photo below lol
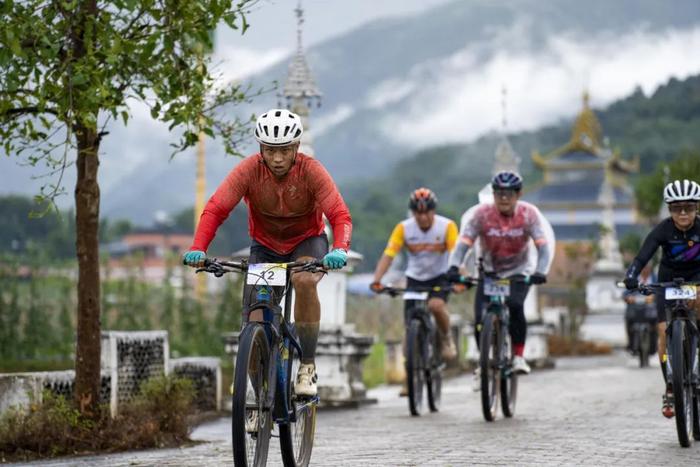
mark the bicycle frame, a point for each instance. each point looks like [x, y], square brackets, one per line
[280, 337]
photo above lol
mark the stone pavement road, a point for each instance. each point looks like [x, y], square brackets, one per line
[588, 411]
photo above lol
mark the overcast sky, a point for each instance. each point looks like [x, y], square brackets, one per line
[273, 25]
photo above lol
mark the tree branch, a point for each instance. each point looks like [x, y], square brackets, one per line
[19, 111]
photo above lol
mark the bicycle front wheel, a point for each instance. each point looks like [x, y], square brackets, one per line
[297, 435]
[489, 362]
[415, 366]
[682, 390]
[251, 418]
[509, 380]
[434, 378]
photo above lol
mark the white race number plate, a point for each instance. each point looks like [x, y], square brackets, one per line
[266, 274]
[415, 295]
[497, 288]
[685, 292]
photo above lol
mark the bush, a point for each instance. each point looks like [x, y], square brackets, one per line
[158, 417]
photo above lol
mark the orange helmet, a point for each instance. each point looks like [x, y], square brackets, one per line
[422, 199]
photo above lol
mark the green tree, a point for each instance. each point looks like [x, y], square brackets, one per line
[69, 67]
[649, 189]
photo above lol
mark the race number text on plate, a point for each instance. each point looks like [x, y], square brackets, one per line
[684, 292]
[266, 274]
[497, 288]
[410, 295]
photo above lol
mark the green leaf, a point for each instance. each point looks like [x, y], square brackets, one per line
[125, 116]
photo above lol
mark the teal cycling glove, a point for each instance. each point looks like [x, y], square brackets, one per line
[336, 259]
[194, 258]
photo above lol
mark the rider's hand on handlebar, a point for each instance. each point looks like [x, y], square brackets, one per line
[376, 287]
[453, 274]
[538, 278]
[194, 258]
[631, 283]
[336, 259]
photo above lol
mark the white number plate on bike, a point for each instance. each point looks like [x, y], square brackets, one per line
[497, 288]
[684, 292]
[266, 274]
[415, 295]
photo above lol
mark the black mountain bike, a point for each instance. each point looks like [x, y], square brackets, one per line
[682, 350]
[267, 361]
[496, 359]
[423, 360]
[642, 342]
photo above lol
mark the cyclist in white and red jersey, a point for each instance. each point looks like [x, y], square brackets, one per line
[504, 230]
[287, 194]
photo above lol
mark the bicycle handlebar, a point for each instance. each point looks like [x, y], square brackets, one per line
[219, 267]
[648, 289]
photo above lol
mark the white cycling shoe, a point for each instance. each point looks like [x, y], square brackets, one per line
[520, 366]
[305, 384]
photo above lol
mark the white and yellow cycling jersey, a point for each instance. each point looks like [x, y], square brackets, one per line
[428, 250]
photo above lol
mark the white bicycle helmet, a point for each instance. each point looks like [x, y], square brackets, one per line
[278, 127]
[682, 190]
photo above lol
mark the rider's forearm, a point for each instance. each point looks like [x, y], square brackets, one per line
[210, 220]
[458, 254]
[544, 255]
[382, 267]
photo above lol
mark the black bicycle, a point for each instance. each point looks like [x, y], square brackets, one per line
[642, 329]
[642, 339]
[498, 378]
[423, 360]
[268, 357]
[682, 350]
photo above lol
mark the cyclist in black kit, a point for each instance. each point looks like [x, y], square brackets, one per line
[679, 239]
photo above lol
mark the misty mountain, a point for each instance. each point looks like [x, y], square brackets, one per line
[398, 86]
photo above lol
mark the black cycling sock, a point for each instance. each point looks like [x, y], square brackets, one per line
[663, 371]
[308, 338]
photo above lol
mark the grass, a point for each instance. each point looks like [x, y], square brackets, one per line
[159, 417]
[373, 368]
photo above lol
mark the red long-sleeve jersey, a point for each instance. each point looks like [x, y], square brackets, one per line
[281, 212]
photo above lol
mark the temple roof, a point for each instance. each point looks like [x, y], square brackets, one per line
[586, 192]
[586, 149]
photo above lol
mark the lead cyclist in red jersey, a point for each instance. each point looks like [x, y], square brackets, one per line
[287, 194]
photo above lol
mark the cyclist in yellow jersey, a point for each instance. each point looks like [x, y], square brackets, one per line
[428, 238]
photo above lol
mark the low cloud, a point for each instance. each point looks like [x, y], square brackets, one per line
[463, 100]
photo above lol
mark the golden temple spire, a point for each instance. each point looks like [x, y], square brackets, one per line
[587, 134]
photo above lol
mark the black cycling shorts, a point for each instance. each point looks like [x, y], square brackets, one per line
[439, 281]
[315, 247]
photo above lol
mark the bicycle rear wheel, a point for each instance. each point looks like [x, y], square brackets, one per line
[682, 392]
[251, 419]
[489, 360]
[509, 381]
[434, 378]
[415, 367]
[297, 436]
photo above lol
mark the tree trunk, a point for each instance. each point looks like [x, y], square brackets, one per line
[87, 217]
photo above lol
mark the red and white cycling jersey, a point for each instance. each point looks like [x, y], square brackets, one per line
[504, 240]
